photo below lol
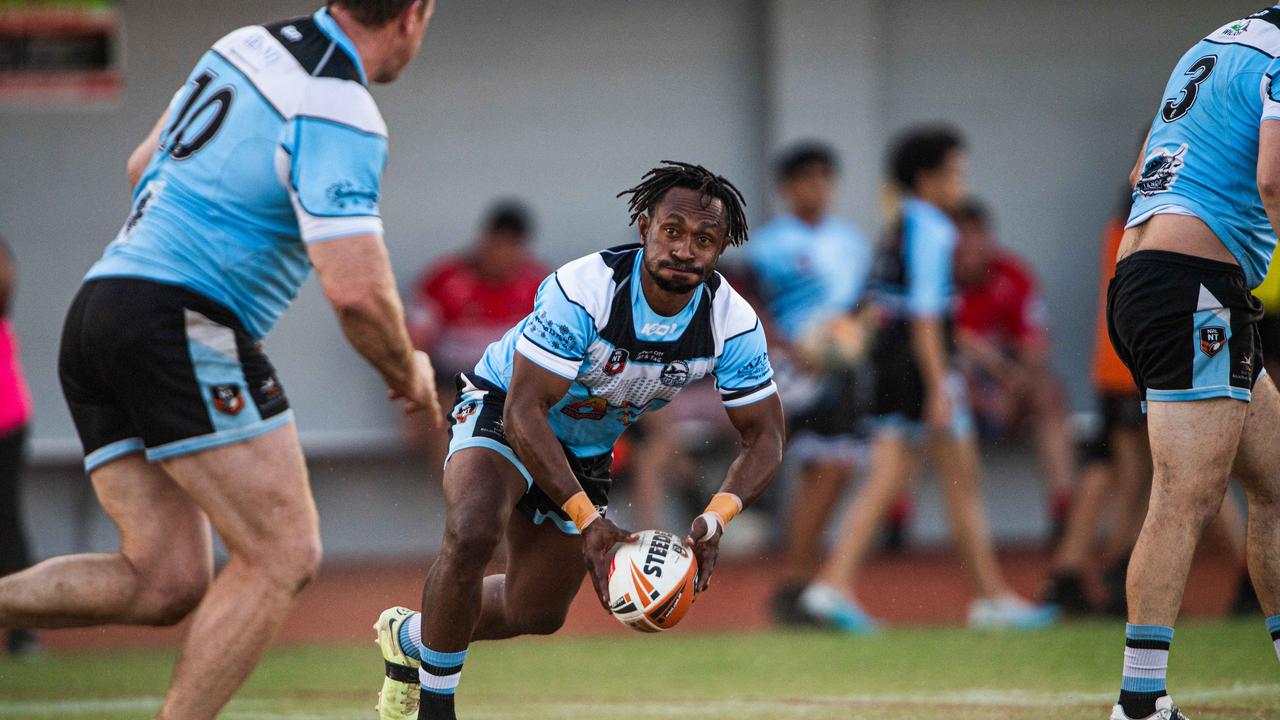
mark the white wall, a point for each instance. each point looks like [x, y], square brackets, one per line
[566, 102]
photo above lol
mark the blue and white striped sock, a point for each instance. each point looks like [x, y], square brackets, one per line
[411, 636]
[1273, 627]
[440, 671]
[1146, 663]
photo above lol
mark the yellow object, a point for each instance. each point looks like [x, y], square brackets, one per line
[1269, 291]
[581, 510]
[398, 699]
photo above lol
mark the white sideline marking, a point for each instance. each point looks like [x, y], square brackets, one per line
[256, 709]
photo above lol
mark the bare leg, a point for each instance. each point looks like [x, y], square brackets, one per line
[892, 462]
[161, 571]
[1193, 445]
[480, 488]
[544, 572]
[1132, 460]
[956, 460]
[1096, 484]
[1055, 442]
[821, 487]
[1258, 468]
[257, 495]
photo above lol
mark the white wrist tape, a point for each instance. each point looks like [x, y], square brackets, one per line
[713, 525]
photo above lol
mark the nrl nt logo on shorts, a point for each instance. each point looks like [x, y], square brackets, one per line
[1212, 339]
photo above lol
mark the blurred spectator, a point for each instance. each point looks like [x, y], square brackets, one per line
[15, 415]
[1004, 345]
[920, 401]
[461, 304]
[810, 270]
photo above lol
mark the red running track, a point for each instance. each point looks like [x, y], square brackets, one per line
[917, 588]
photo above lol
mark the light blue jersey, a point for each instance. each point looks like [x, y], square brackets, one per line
[273, 141]
[913, 267]
[591, 324]
[808, 274]
[1202, 157]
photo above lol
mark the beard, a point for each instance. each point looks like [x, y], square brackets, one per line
[678, 287]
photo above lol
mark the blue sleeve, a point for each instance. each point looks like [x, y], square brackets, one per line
[1271, 92]
[558, 331]
[335, 178]
[743, 373]
[846, 273]
[930, 244]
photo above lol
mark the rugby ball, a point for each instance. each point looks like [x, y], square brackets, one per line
[651, 582]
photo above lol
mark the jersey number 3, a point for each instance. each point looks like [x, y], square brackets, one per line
[185, 137]
[1175, 108]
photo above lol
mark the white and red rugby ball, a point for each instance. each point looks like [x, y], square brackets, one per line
[651, 581]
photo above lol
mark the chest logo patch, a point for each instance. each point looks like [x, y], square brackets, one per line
[617, 362]
[675, 374]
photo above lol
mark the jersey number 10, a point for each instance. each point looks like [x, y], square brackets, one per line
[182, 139]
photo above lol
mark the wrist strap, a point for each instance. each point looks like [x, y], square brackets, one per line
[722, 508]
[581, 510]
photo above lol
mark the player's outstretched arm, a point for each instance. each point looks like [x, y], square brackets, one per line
[1269, 170]
[141, 155]
[760, 433]
[532, 394]
[355, 274]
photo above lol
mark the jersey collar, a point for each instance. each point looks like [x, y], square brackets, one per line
[330, 27]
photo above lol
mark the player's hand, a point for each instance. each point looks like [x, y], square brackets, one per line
[420, 395]
[597, 540]
[705, 551]
[937, 411]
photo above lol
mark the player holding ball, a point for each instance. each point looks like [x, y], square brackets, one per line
[612, 335]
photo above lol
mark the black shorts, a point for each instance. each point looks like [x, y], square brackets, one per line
[155, 367]
[899, 388]
[1186, 327]
[1269, 333]
[1119, 412]
[476, 421]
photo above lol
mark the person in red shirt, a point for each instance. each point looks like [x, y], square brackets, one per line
[15, 417]
[462, 303]
[1002, 335]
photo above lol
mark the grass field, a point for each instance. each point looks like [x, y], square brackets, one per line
[1219, 671]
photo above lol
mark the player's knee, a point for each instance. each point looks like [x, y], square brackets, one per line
[167, 597]
[471, 544]
[291, 561]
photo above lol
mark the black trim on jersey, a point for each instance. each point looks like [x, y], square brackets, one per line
[556, 277]
[251, 83]
[1271, 15]
[697, 340]
[744, 332]
[315, 50]
[1239, 44]
[727, 395]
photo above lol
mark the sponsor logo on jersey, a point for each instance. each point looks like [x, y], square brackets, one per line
[291, 33]
[617, 361]
[590, 409]
[755, 369]
[345, 194]
[1212, 340]
[658, 329]
[650, 356]
[1236, 29]
[675, 374]
[227, 399]
[1160, 171]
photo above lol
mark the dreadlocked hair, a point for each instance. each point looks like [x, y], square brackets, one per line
[671, 174]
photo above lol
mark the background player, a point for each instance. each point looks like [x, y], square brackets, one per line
[612, 336]
[1200, 235]
[268, 161]
[811, 270]
[919, 396]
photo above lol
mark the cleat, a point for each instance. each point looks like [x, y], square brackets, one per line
[1164, 711]
[836, 610]
[400, 691]
[1010, 612]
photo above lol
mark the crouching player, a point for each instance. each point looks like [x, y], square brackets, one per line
[612, 336]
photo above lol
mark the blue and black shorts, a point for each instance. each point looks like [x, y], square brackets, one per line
[1186, 327]
[476, 422]
[156, 368]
